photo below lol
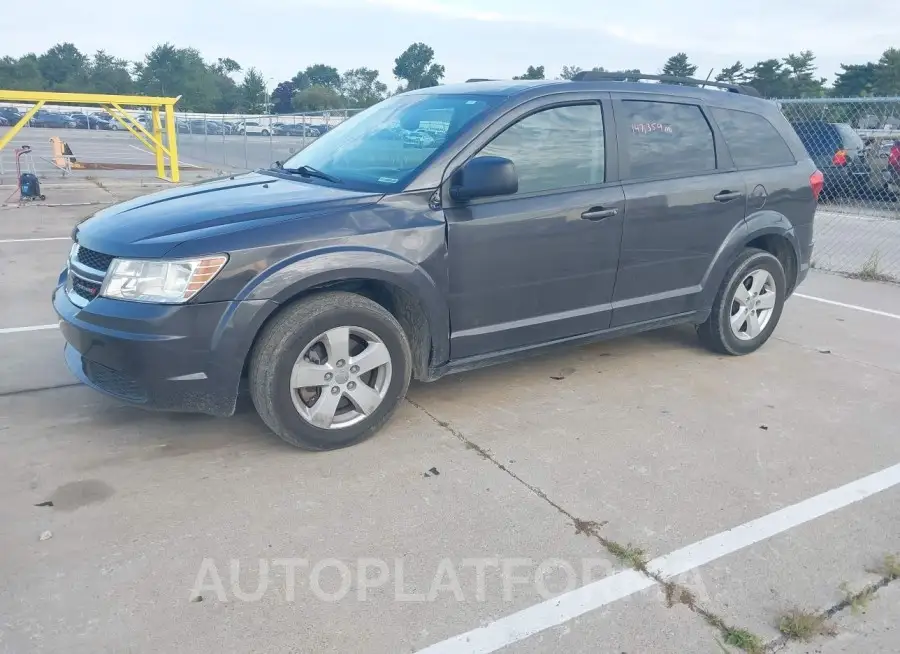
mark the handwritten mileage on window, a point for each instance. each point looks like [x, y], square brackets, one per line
[647, 128]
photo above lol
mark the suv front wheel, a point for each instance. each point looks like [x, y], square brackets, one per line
[748, 305]
[329, 370]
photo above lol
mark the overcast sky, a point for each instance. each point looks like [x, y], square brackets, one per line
[472, 38]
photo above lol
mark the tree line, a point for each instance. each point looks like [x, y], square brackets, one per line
[224, 86]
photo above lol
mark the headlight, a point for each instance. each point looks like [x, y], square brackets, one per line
[166, 282]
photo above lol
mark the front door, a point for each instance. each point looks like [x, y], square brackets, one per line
[682, 199]
[541, 264]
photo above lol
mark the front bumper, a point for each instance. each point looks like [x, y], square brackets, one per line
[172, 357]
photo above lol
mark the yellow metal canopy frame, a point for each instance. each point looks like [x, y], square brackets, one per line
[113, 104]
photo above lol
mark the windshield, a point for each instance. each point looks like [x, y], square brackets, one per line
[383, 147]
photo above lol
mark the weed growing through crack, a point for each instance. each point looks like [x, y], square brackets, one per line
[630, 554]
[804, 625]
[889, 568]
[871, 270]
[745, 640]
[858, 602]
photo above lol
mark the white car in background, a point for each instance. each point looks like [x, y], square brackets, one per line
[251, 128]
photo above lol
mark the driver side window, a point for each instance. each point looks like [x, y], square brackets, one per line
[554, 149]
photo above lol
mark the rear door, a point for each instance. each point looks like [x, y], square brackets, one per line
[539, 265]
[683, 197]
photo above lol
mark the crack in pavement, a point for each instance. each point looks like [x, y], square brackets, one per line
[631, 556]
[843, 357]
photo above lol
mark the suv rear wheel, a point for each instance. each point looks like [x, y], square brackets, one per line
[748, 305]
[329, 371]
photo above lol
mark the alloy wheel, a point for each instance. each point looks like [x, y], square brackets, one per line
[341, 377]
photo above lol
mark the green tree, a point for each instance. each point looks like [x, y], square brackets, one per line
[253, 92]
[317, 98]
[569, 72]
[417, 67]
[282, 96]
[770, 78]
[733, 74]
[64, 68]
[301, 81]
[167, 70]
[226, 66]
[679, 66]
[110, 75]
[23, 74]
[361, 87]
[887, 73]
[532, 73]
[800, 70]
[855, 80]
[322, 75]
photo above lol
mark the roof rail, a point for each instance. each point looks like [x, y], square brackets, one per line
[480, 79]
[594, 76]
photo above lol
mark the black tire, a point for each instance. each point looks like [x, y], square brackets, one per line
[716, 333]
[265, 132]
[282, 341]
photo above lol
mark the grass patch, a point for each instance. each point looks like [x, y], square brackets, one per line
[871, 270]
[888, 568]
[745, 640]
[803, 625]
[630, 554]
[676, 594]
[858, 602]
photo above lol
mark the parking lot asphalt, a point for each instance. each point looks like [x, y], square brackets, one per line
[501, 510]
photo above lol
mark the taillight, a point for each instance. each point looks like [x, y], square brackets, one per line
[839, 158]
[816, 182]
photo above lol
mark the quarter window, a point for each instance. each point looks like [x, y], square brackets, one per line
[752, 140]
[666, 139]
[554, 149]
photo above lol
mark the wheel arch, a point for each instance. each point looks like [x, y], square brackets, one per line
[766, 230]
[399, 286]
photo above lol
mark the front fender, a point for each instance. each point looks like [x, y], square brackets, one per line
[322, 266]
[760, 223]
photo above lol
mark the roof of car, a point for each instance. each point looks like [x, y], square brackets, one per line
[509, 88]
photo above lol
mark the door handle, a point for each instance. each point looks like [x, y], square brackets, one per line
[727, 196]
[599, 213]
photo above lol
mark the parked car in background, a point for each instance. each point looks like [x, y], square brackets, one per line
[11, 114]
[51, 119]
[891, 172]
[842, 156]
[295, 130]
[253, 128]
[84, 121]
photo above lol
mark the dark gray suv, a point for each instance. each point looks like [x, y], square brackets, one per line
[538, 213]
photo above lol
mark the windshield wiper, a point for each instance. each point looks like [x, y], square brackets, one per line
[309, 171]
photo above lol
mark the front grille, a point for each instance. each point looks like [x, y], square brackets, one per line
[113, 382]
[94, 260]
[84, 288]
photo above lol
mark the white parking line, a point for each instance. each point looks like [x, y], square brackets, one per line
[561, 609]
[32, 328]
[848, 306]
[26, 240]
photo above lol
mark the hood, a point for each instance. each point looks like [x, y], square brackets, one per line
[151, 225]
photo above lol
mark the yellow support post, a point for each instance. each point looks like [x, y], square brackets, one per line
[6, 138]
[172, 142]
[157, 141]
[113, 103]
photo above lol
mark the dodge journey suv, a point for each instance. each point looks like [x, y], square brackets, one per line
[541, 213]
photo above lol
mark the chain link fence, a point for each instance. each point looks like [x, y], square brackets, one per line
[247, 142]
[855, 142]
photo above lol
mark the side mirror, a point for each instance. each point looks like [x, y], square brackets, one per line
[484, 177]
[277, 165]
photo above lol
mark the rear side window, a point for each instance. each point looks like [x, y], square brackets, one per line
[555, 149]
[849, 138]
[819, 139]
[752, 140]
[665, 139]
